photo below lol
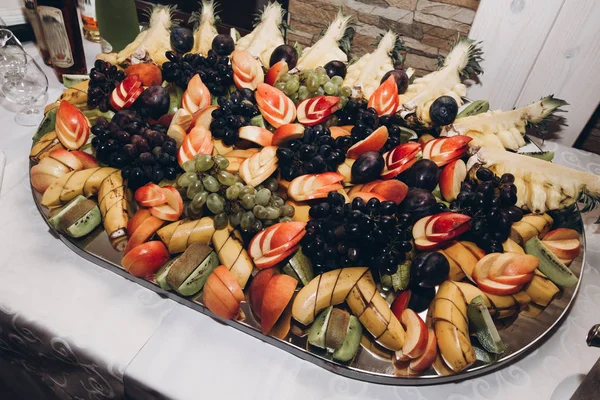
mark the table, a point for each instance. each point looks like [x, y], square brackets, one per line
[70, 329]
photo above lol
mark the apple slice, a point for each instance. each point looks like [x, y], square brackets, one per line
[374, 142]
[416, 334]
[286, 133]
[87, 160]
[198, 141]
[196, 96]
[230, 282]
[150, 195]
[392, 190]
[366, 196]
[394, 172]
[483, 266]
[500, 289]
[46, 172]
[385, 98]
[313, 186]
[218, 297]
[247, 70]
[521, 264]
[144, 260]
[454, 142]
[276, 71]
[451, 178]
[445, 158]
[401, 154]
[564, 248]
[143, 232]
[418, 229]
[171, 211]
[72, 127]
[317, 109]
[276, 239]
[426, 359]
[400, 303]
[278, 293]
[256, 290]
[338, 131]
[138, 218]
[561, 234]
[268, 262]
[513, 279]
[274, 105]
[67, 158]
[203, 117]
[256, 134]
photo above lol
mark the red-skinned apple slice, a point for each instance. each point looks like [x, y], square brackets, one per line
[426, 359]
[418, 231]
[274, 105]
[428, 146]
[306, 187]
[87, 160]
[255, 134]
[483, 266]
[72, 127]
[268, 262]
[287, 132]
[196, 96]
[278, 293]
[445, 158]
[416, 334]
[143, 232]
[227, 278]
[126, 92]
[276, 239]
[150, 195]
[366, 196]
[394, 172]
[451, 177]
[138, 218]
[562, 234]
[453, 143]
[401, 154]
[400, 303]
[448, 221]
[218, 298]
[46, 172]
[144, 260]
[338, 131]
[67, 158]
[374, 142]
[385, 98]
[247, 71]
[275, 72]
[392, 190]
[401, 357]
[317, 109]
[567, 249]
[513, 279]
[198, 141]
[171, 211]
[203, 117]
[521, 264]
[256, 290]
[500, 289]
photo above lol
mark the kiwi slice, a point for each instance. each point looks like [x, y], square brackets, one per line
[195, 282]
[299, 267]
[57, 214]
[84, 225]
[351, 341]
[550, 265]
[482, 324]
[318, 330]
[161, 275]
[187, 263]
[336, 329]
[78, 218]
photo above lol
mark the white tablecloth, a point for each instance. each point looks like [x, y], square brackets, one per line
[70, 329]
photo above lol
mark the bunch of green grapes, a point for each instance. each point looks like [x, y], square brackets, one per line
[208, 187]
[312, 82]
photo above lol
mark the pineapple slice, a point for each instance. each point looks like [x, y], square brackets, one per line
[151, 44]
[460, 63]
[541, 185]
[266, 36]
[327, 47]
[364, 76]
[206, 31]
[503, 129]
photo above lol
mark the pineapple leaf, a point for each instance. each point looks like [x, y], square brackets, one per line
[396, 53]
[568, 217]
[195, 16]
[346, 40]
[589, 199]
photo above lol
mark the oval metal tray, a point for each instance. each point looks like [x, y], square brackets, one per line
[523, 335]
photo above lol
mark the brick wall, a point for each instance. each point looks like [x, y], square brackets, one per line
[426, 26]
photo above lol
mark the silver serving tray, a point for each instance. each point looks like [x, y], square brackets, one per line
[522, 336]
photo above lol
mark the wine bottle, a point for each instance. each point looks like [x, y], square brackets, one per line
[34, 20]
[60, 24]
[87, 8]
[118, 23]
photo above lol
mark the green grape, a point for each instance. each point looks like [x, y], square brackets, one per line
[273, 213]
[280, 85]
[337, 80]
[188, 166]
[295, 78]
[260, 212]
[302, 93]
[215, 203]
[287, 210]
[323, 79]
[204, 163]
[221, 161]
[320, 91]
[263, 196]
[272, 184]
[277, 201]
[234, 207]
[234, 219]
[194, 188]
[286, 219]
[292, 87]
[248, 190]
[248, 201]
[305, 73]
[232, 192]
[330, 88]
[186, 179]
[257, 226]
[346, 91]
[240, 184]
[199, 200]
[225, 178]
[221, 221]
[211, 184]
[247, 220]
[294, 97]
[320, 71]
[284, 78]
[343, 101]
[193, 213]
[312, 82]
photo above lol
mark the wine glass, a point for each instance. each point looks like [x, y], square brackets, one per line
[12, 55]
[25, 85]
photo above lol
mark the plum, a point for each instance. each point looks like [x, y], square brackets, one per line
[424, 174]
[429, 269]
[367, 167]
[443, 110]
[223, 44]
[400, 77]
[335, 68]
[182, 40]
[286, 53]
[420, 298]
[418, 203]
[153, 102]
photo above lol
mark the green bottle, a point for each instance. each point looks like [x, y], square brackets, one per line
[118, 24]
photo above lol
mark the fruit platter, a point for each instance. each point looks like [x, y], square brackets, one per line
[374, 223]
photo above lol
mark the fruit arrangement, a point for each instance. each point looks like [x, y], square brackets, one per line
[354, 205]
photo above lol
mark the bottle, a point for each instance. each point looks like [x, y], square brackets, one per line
[60, 24]
[118, 23]
[87, 9]
[34, 20]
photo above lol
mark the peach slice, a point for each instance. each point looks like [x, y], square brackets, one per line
[338, 131]
[567, 249]
[276, 71]
[256, 134]
[72, 127]
[203, 117]
[144, 260]
[67, 158]
[451, 178]
[256, 290]
[138, 218]
[150, 195]
[87, 160]
[149, 74]
[426, 359]
[286, 133]
[374, 142]
[416, 334]
[317, 109]
[278, 293]
[143, 232]
[274, 105]
[385, 98]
